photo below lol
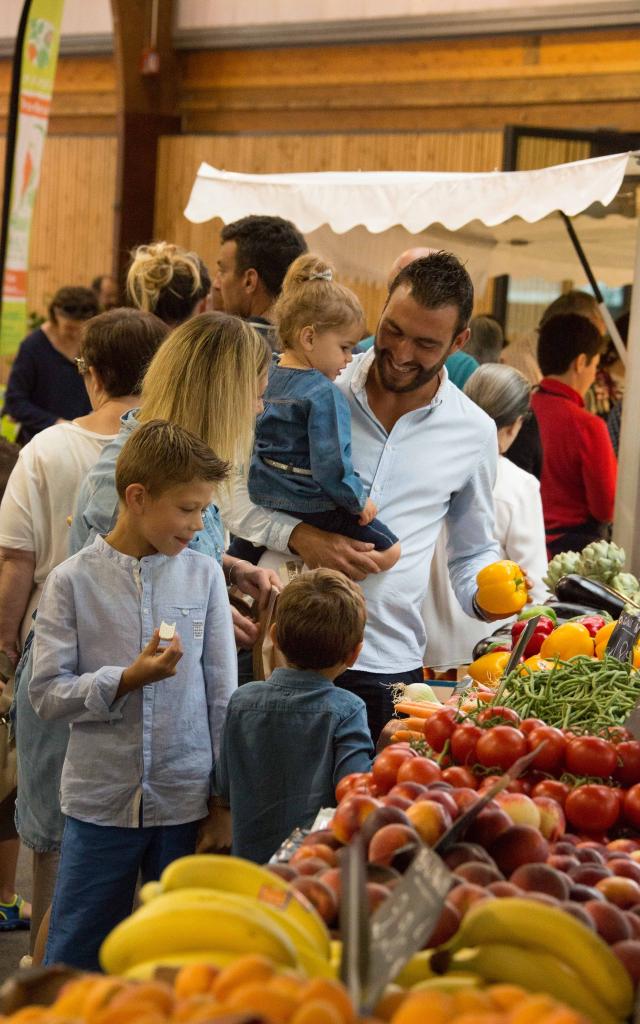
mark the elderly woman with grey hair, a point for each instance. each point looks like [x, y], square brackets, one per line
[504, 394]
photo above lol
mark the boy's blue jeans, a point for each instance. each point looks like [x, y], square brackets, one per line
[97, 878]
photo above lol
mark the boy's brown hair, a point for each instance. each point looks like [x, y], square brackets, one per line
[160, 455]
[320, 619]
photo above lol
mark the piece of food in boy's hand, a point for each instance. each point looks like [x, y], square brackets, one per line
[167, 630]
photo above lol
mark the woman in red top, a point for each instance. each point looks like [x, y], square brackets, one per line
[579, 469]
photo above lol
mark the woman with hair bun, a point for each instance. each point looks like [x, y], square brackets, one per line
[505, 395]
[302, 455]
[169, 281]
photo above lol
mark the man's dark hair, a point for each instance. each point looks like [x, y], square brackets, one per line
[439, 280]
[563, 338]
[269, 245]
[75, 302]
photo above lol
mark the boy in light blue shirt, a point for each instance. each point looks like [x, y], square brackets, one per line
[145, 719]
[289, 740]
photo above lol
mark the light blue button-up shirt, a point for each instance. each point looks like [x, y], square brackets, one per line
[439, 461]
[146, 758]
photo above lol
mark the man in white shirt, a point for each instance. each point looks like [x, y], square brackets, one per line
[424, 452]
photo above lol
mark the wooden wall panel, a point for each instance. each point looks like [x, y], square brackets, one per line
[84, 99]
[72, 230]
[180, 156]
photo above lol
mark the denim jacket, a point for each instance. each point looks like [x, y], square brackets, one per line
[306, 424]
[97, 505]
[285, 745]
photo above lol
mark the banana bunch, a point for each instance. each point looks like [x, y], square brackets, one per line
[217, 908]
[541, 949]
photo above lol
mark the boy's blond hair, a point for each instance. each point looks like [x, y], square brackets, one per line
[204, 377]
[311, 298]
[160, 455]
[320, 619]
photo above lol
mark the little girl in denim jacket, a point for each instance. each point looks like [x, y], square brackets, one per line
[302, 455]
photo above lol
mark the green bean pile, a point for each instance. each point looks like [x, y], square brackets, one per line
[579, 694]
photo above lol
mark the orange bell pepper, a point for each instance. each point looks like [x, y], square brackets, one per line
[502, 589]
[601, 640]
[489, 667]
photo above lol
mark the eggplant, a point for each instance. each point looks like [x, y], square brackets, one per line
[596, 596]
[501, 636]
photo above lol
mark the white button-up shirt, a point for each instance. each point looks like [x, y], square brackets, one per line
[438, 461]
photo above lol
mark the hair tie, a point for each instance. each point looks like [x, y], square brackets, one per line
[321, 275]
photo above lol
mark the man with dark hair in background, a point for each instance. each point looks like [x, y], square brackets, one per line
[105, 289]
[579, 467]
[255, 255]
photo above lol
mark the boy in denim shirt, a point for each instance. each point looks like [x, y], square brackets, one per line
[289, 740]
[302, 456]
[138, 772]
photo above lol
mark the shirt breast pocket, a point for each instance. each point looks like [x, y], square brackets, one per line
[188, 619]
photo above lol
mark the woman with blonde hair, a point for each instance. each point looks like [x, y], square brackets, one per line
[167, 280]
[208, 377]
[505, 395]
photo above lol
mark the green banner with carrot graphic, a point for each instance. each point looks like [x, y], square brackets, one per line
[33, 80]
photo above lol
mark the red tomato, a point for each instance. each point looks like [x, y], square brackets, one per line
[463, 742]
[558, 791]
[592, 808]
[551, 757]
[356, 780]
[386, 765]
[508, 714]
[590, 755]
[439, 728]
[628, 770]
[631, 807]
[419, 769]
[501, 746]
[527, 724]
[460, 778]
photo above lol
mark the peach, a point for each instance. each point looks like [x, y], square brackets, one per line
[332, 878]
[283, 870]
[320, 850]
[561, 862]
[460, 853]
[624, 892]
[429, 819]
[379, 818]
[588, 874]
[442, 797]
[489, 824]
[541, 878]
[350, 815]
[446, 927]
[388, 841]
[479, 873]
[464, 797]
[624, 845]
[376, 894]
[520, 844]
[577, 910]
[583, 893]
[311, 866]
[319, 895]
[402, 802]
[521, 809]
[465, 895]
[628, 953]
[410, 790]
[502, 889]
[626, 868]
[611, 922]
[552, 819]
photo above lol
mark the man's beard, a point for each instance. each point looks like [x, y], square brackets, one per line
[414, 383]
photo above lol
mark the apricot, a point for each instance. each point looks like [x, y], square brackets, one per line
[419, 1007]
[194, 979]
[330, 991]
[317, 1011]
[391, 999]
[256, 997]
[250, 968]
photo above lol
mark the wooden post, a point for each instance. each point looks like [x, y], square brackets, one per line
[147, 108]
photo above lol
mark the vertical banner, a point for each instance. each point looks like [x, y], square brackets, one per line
[34, 71]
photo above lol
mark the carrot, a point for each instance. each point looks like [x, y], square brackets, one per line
[424, 709]
[406, 735]
[413, 724]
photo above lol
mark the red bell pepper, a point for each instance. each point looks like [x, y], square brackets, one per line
[592, 622]
[544, 627]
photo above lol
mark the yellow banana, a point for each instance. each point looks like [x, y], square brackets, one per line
[417, 969]
[147, 969]
[535, 971]
[149, 891]
[146, 936]
[450, 983]
[231, 874]
[204, 897]
[537, 926]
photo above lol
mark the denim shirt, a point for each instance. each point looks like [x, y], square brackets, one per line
[286, 743]
[97, 505]
[305, 424]
[145, 758]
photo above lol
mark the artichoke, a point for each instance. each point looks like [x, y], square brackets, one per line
[602, 561]
[626, 584]
[561, 565]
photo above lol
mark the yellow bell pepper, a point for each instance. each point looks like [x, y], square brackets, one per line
[567, 641]
[502, 589]
[489, 667]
